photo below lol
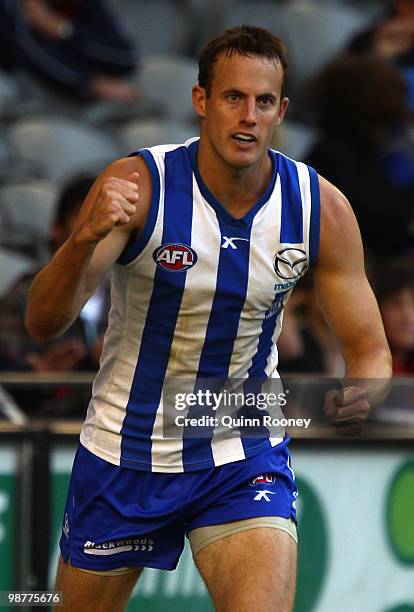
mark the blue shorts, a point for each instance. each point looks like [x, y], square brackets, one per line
[121, 517]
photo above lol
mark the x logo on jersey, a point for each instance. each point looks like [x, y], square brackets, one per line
[263, 495]
[228, 242]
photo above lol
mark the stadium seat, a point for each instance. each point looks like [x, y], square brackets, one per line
[315, 32]
[4, 153]
[60, 147]
[12, 267]
[8, 90]
[28, 208]
[260, 13]
[296, 139]
[168, 80]
[13, 170]
[156, 26]
[138, 134]
[108, 115]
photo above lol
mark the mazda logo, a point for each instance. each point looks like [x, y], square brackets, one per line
[291, 264]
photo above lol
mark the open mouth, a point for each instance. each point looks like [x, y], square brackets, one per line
[244, 138]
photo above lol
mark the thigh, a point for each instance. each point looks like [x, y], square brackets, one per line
[83, 591]
[250, 570]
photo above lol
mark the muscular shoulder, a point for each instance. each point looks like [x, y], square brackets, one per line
[335, 208]
[121, 168]
[124, 167]
[339, 229]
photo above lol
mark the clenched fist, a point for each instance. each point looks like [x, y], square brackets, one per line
[348, 409]
[114, 205]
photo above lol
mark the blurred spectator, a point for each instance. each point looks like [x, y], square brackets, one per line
[365, 150]
[306, 343]
[391, 37]
[396, 299]
[392, 40]
[77, 46]
[79, 348]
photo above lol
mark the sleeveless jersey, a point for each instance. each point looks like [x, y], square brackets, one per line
[198, 295]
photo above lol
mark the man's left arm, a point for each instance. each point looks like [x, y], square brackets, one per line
[352, 312]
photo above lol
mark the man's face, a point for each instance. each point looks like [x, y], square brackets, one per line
[244, 106]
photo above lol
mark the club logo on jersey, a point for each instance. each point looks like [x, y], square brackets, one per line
[266, 479]
[291, 263]
[175, 257]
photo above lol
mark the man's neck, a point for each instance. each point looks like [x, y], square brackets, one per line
[237, 189]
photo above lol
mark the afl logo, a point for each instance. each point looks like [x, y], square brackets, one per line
[291, 264]
[175, 257]
[266, 479]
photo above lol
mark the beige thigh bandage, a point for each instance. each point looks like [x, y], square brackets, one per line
[119, 571]
[200, 537]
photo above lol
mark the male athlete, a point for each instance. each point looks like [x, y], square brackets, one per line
[206, 240]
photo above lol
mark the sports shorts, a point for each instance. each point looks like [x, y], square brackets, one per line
[119, 517]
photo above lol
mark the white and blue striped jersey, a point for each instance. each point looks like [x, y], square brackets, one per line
[197, 295]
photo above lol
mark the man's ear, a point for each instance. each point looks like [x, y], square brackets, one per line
[283, 106]
[199, 100]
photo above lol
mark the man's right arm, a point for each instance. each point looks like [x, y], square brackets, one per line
[109, 214]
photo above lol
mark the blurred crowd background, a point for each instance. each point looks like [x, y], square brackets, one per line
[83, 82]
